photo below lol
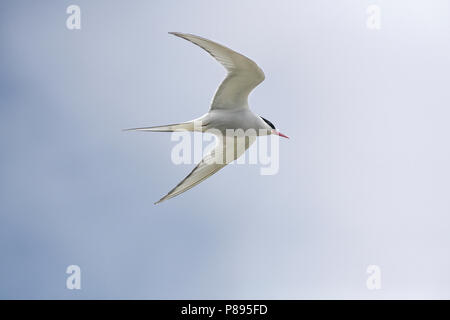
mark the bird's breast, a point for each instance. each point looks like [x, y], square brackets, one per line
[226, 122]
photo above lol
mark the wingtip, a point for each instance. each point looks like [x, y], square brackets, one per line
[166, 197]
[181, 34]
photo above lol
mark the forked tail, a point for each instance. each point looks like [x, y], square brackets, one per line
[185, 126]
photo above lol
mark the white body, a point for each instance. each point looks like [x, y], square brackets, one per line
[233, 119]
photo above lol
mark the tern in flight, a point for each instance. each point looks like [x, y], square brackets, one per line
[229, 110]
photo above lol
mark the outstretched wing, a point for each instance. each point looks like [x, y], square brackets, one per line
[243, 74]
[226, 150]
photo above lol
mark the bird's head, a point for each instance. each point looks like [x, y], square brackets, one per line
[273, 130]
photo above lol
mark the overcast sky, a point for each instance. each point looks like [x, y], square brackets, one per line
[364, 179]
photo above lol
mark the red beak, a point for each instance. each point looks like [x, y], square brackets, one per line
[279, 134]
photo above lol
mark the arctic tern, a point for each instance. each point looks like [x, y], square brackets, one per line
[229, 110]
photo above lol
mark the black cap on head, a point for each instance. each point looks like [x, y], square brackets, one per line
[268, 122]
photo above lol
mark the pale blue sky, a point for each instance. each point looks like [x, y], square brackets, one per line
[363, 180]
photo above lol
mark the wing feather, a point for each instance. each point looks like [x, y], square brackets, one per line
[227, 149]
[242, 77]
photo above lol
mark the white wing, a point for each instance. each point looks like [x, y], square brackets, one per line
[243, 74]
[227, 149]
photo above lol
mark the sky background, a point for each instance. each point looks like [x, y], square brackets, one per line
[364, 179]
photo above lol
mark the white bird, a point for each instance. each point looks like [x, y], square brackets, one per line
[229, 110]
